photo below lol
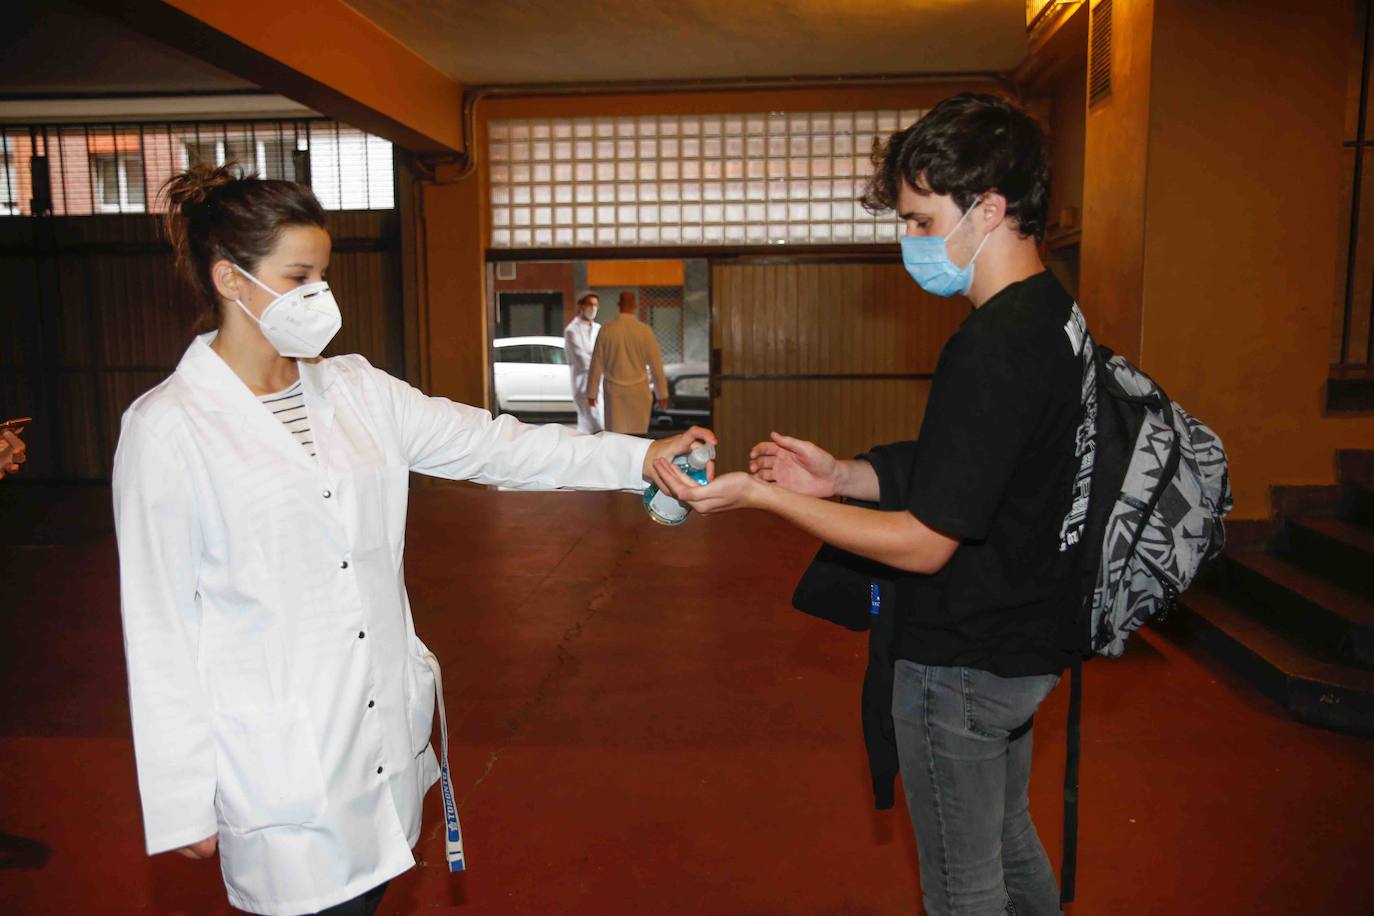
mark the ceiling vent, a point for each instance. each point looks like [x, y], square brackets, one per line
[1100, 58]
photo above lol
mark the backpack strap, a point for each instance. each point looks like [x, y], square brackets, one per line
[1069, 868]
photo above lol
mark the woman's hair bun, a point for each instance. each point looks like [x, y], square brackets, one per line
[188, 190]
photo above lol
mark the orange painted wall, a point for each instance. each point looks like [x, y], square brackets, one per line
[326, 40]
[1115, 162]
[636, 273]
[1243, 216]
[1067, 125]
[455, 292]
[455, 215]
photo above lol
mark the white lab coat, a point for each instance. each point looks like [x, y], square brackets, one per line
[579, 339]
[278, 691]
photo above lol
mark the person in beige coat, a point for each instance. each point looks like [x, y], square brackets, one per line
[626, 350]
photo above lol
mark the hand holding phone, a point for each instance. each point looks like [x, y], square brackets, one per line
[12, 452]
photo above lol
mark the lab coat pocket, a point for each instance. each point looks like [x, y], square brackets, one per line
[421, 703]
[268, 770]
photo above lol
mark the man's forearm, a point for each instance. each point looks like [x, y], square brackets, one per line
[856, 480]
[898, 539]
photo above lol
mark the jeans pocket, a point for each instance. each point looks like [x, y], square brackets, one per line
[995, 706]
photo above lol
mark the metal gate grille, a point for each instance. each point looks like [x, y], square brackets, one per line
[94, 169]
[663, 305]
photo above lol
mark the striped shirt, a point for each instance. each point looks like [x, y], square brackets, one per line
[289, 407]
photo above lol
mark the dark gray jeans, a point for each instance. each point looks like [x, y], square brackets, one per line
[364, 904]
[964, 742]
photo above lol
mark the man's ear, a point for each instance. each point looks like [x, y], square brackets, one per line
[227, 282]
[991, 211]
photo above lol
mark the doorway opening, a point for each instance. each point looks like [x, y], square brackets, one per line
[533, 302]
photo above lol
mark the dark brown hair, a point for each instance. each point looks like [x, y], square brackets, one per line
[219, 212]
[964, 146]
[586, 298]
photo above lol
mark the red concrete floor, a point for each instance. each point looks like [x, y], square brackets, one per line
[641, 724]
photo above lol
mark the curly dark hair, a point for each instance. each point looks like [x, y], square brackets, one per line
[968, 144]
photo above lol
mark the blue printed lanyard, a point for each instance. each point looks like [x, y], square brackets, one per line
[453, 836]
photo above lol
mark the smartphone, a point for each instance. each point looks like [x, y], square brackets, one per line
[16, 425]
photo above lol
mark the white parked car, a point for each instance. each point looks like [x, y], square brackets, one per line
[533, 377]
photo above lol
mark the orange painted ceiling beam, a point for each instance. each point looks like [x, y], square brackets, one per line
[323, 54]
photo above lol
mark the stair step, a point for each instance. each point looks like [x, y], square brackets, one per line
[1359, 503]
[1338, 549]
[1312, 609]
[1310, 687]
[1355, 464]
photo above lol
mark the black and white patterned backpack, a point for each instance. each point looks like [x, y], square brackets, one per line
[1151, 494]
[1149, 500]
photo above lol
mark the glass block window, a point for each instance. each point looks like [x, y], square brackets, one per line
[755, 179]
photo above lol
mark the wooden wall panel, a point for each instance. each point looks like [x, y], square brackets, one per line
[844, 417]
[810, 349]
[93, 316]
[831, 318]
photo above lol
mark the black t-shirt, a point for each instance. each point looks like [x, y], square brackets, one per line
[995, 467]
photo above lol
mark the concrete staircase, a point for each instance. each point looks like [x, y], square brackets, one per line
[1294, 613]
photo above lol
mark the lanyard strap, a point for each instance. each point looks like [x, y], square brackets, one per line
[453, 835]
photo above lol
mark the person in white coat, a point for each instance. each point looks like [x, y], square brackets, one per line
[579, 340]
[281, 700]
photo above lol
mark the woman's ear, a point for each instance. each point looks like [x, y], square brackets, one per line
[228, 283]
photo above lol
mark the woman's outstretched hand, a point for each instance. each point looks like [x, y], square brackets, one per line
[667, 449]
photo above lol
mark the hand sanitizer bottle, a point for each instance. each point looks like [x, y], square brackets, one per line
[663, 508]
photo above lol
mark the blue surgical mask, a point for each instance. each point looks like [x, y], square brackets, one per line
[926, 258]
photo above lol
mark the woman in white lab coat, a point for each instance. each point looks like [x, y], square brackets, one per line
[281, 700]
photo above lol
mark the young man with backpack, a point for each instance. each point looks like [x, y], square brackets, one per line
[986, 558]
